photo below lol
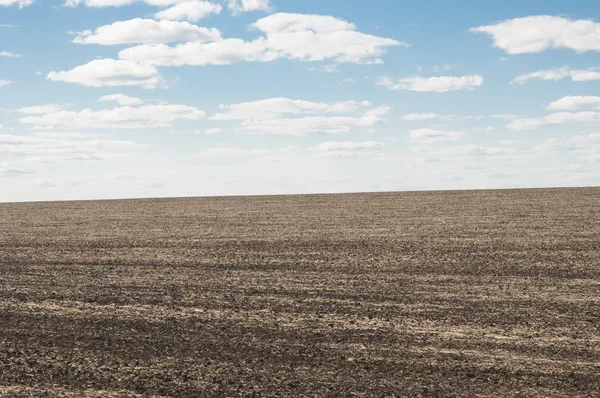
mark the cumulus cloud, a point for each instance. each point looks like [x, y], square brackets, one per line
[120, 117]
[222, 52]
[6, 172]
[413, 117]
[59, 147]
[5, 82]
[310, 125]
[584, 146]
[290, 36]
[346, 148]
[8, 54]
[122, 99]
[140, 30]
[506, 116]
[512, 142]
[109, 72]
[292, 23]
[20, 3]
[271, 108]
[286, 36]
[422, 116]
[212, 131]
[274, 116]
[574, 102]
[576, 75]
[63, 135]
[222, 152]
[121, 3]
[40, 109]
[439, 84]
[281, 154]
[192, 10]
[462, 151]
[431, 136]
[318, 37]
[325, 149]
[238, 6]
[588, 117]
[537, 33]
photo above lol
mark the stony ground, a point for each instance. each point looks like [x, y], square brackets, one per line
[474, 294]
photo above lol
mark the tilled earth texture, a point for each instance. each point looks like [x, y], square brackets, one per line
[418, 294]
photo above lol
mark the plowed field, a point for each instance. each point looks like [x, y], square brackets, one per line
[470, 293]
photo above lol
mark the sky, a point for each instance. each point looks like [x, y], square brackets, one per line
[108, 99]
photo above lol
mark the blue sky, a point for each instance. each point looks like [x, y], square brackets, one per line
[146, 98]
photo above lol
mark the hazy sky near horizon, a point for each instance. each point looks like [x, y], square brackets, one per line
[146, 98]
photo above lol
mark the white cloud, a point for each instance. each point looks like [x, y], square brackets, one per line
[212, 131]
[437, 68]
[222, 152]
[576, 117]
[584, 146]
[192, 10]
[20, 3]
[140, 30]
[450, 152]
[512, 142]
[282, 154]
[55, 135]
[422, 116]
[587, 117]
[269, 116]
[290, 36]
[506, 116]
[43, 183]
[6, 172]
[332, 68]
[527, 124]
[121, 3]
[537, 33]
[237, 6]
[317, 37]
[121, 99]
[5, 82]
[40, 109]
[577, 75]
[120, 117]
[439, 84]
[8, 54]
[325, 149]
[221, 52]
[35, 148]
[291, 23]
[574, 102]
[431, 136]
[271, 108]
[346, 148]
[309, 125]
[110, 72]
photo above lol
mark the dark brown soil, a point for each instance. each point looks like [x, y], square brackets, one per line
[472, 294]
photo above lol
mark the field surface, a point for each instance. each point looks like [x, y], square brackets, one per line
[459, 294]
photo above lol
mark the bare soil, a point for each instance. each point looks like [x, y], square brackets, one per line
[421, 294]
